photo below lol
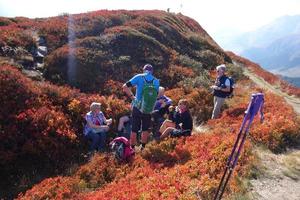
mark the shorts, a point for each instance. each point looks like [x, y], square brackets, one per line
[140, 119]
[179, 133]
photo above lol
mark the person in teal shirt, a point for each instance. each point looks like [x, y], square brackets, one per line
[140, 120]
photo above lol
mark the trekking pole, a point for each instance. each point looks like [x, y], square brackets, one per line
[254, 106]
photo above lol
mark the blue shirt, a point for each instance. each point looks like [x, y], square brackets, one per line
[138, 81]
[165, 99]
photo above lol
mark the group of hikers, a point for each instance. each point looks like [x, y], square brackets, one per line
[150, 107]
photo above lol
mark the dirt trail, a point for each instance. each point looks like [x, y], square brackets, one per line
[293, 101]
[280, 173]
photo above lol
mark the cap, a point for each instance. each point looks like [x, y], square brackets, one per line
[148, 68]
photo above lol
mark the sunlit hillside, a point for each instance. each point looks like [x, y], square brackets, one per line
[87, 57]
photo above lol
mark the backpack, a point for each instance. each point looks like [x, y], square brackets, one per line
[149, 95]
[121, 149]
[230, 93]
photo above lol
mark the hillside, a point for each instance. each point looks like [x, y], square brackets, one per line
[89, 56]
[104, 44]
[277, 174]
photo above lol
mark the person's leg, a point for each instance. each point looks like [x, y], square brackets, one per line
[155, 123]
[146, 123]
[167, 132]
[102, 141]
[218, 102]
[122, 121]
[95, 138]
[133, 139]
[136, 125]
[165, 125]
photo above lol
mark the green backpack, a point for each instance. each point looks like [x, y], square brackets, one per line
[149, 95]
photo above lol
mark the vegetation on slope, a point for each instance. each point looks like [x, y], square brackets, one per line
[41, 123]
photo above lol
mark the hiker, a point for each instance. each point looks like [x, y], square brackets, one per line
[162, 103]
[141, 119]
[182, 124]
[221, 88]
[161, 108]
[96, 127]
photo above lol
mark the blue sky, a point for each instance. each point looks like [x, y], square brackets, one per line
[213, 15]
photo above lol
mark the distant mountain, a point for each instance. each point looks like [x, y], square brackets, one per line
[274, 46]
[280, 55]
[292, 80]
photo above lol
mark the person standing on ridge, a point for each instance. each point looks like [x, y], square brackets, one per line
[142, 102]
[221, 89]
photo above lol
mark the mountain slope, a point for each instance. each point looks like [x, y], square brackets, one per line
[274, 46]
[279, 55]
[87, 50]
[42, 149]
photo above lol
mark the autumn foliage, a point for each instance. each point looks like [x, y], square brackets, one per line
[198, 160]
[41, 123]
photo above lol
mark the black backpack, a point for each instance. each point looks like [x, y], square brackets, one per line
[230, 93]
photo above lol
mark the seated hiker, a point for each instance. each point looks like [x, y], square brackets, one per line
[181, 124]
[161, 108]
[124, 126]
[96, 127]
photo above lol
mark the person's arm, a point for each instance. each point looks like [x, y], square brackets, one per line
[168, 101]
[126, 87]
[108, 121]
[177, 117]
[106, 124]
[128, 91]
[91, 124]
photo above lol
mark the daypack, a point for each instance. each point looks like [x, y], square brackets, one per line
[149, 95]
[230, 93]
[121, 149]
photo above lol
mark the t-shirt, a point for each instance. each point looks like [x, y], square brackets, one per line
[185, 118]
[98, 119]
[138, 81]
[165, 99]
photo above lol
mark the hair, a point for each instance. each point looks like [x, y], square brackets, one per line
[184, 102]
[148, 68]
[161, 89]
[221, 67]
[95, 105]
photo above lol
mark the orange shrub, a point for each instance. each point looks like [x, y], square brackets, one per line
[281, 125]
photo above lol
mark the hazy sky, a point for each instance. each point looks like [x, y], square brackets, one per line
[213, 15]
